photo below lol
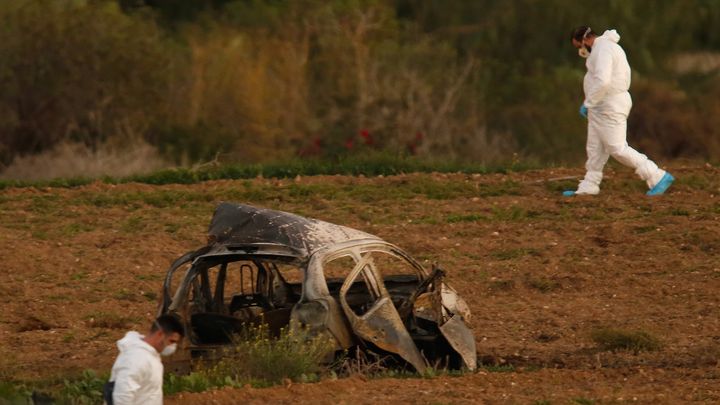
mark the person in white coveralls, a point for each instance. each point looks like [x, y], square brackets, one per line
[137, 375]
[606, 106]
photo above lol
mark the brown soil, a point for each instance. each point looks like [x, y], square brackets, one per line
[540, 272]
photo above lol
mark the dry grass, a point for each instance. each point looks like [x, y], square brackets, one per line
[77, 160]
[619, 339]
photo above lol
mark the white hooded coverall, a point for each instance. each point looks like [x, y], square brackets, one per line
[137, 372]
[608, 102]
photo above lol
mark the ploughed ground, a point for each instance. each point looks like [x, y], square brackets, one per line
[540, 272]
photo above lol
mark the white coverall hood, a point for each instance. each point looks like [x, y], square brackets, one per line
[606, 86]
[608, 71]
[137, 372]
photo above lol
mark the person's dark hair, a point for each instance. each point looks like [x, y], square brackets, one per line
[581, 32]
[168, 324]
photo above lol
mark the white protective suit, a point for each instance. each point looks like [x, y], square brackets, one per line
[606, 87]
[137, 372]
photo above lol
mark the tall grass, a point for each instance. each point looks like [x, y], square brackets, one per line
[69, 160]
[620, 339]
[257, 356]
[260, 359]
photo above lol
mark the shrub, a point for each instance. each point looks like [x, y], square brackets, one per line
[197, 381]
[87, 389]
[619, 339]
[77, 70]
[256, 356]
[13, 393]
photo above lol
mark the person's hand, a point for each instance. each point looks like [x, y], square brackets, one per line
[583, 111]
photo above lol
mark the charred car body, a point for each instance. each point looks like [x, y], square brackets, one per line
[282, 269]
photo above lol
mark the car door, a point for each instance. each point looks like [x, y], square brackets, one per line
[378, 320]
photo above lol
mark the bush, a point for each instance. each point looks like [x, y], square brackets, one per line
[257, 356]
[77, 70]
[14, 393]
[87, 389]
[197, 381]
[619, 339]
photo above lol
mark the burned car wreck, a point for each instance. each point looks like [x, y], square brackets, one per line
[281, 269]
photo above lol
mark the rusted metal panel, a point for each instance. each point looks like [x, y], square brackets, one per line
[462, 340]
[382, 326]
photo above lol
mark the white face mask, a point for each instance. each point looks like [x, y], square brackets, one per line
[584, 52]
[169, 350]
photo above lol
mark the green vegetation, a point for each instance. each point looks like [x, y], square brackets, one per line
[14, 393]
[512, 213]
[620, 339]
[84, 390]
[502, 368]
[257, 356]
[374, 164]
[109, 320]
[465, 218]
[261, 360]
[264, 81]
[514, 253]
[502, 285]
[543, 284]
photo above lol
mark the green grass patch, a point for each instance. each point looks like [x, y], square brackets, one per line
[512, 213]
[74, 229]
[507, 187]
[455, 218]
[149, 277]
[45, 203]
[14, 393]
[376, 164]
[704, 183]
[543, 284]
[260, 359]
[502, 368]
[86, 389]
[619, 339]
[679, 212]
[108, 320]
[645, 229]
[512, 254]
[256, 355]
[125, 295]
[502, 285]
[39, 234]
[150, 296]
[81, 389]
[83, 275]
[134, 224]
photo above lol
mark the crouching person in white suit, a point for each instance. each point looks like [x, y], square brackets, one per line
[137, 375]
[606, 106]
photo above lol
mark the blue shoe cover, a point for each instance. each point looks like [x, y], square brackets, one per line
[662, 185]
[568, 193]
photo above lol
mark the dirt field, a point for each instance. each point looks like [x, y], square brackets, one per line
[540, 273]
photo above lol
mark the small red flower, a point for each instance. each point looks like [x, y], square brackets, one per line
[365, 134]
[349, 144]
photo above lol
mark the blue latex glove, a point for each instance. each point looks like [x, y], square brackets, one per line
[583, 111]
